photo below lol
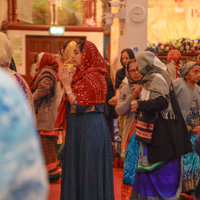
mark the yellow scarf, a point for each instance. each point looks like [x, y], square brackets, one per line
[68, 56]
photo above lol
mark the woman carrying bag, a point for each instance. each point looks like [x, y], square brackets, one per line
[164, 144]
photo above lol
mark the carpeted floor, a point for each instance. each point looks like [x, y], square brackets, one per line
[54, 193]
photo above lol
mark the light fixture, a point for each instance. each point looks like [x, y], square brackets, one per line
[55, 30]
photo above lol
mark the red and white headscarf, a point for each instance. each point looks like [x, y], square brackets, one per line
[46, 61]
[174, 57]
[89, 84]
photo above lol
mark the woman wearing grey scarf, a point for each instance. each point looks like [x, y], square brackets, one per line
[123, 108]
[188, 95]
[162, 158]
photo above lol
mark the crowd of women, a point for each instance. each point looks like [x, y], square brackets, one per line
[66, 93]
[161, 107]
[158, 108]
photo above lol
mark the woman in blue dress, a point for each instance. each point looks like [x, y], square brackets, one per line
[123, 108]
[188, 95]
[87, 167]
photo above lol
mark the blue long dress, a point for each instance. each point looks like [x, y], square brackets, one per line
[87, 167]
[131, 161]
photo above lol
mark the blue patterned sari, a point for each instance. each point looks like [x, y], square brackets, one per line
[191, 161]
[131, 161]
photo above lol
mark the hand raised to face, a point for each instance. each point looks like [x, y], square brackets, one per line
[65, 77]
[136, 90]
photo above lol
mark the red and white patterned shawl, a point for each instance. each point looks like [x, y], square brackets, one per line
[89, 84]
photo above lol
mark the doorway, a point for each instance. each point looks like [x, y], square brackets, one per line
[37, 44]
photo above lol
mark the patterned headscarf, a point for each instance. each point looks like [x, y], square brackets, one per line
[174, 55]
[186, 68]
[5, 51]
[174, 59]
[46, 61]
[89, 84]
[68, 56]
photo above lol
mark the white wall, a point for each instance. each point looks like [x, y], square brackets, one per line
[136, 33]
[95, 37]
[4, 11]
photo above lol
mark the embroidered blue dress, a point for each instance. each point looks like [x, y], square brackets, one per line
[87, 167]
[191, 161]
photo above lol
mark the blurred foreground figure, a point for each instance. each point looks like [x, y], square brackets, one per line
[22, 171]
[7, 62]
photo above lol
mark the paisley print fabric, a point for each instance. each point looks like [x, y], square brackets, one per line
[191, 160]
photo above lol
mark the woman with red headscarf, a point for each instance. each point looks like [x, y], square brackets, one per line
[47, 96]
[87, 166]
[174, 59]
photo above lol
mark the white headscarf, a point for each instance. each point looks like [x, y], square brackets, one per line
[40, 55]
[5, 51]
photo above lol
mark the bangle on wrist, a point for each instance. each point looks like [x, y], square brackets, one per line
[68, 92]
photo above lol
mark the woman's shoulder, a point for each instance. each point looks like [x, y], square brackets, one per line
[47, 70]
[119, 72]
[197, 87]
[20, 79]
[179, 85]
[126, 89]
[178, 80]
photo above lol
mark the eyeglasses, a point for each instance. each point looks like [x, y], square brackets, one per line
[133, 71]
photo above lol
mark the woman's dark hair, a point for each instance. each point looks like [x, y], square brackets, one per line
[81, 44]
[130, 54]
[133, 60]
[64, 44]
[35, 58]
[152, 50]
[12, 65]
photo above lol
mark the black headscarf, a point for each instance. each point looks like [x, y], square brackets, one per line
[120, 75]
[12, 65]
